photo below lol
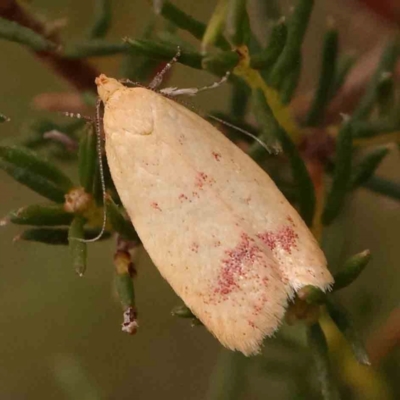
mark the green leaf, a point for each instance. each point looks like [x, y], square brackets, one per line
[77, 247]
[15, 32]
[342, 320]
[384, 187]
[266, 122]
[188, 23]
[55, 236]
[366, 168]
[249, 38]
[138, 68]
[40, 215]
[97, 185]
[386, 97]
[102, 19]
[319, 352]
[387, 64]
[301, 177]
[296, 31]
[33, 181]
[182, 311]
[343, 67]
[367, 129]
[94, 48]
[351, 270]
[164, 51]
[267, 58]
[342, 175]
[172, 39]
[88, 158]
[269, 10]
[123, 279]
[25, 159]
[240, 99]
[236, 22]
[312, 295]
[119, 223]
[124, 269]
[326, 79]
[215, 25]
[221, 62]
[125, 290]
[289, 85]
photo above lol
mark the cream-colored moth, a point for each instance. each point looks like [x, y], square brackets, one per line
[213, 222]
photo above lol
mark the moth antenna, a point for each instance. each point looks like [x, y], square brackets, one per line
[271, 149]
[156, 81]
[101, 172]
[126, 81]
[77, 115]
[193, 91]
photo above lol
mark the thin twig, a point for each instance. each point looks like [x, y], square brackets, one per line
[386, 339]
[61, 101]
[78, 73]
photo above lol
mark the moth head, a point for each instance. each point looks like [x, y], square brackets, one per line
[107, 86]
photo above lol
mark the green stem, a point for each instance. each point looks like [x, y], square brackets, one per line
[326, 79]
[384, 187]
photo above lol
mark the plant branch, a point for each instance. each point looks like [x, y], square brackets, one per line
[386, 339]
[352, 90]
[78, 73]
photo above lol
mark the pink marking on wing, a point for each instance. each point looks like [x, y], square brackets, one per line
[181, 139]
[182, 197]
[245, 254]
[155, 206]
[194, 247]
[285, 238]
[216, 155]
[251, 323]
[203, 179]
[290, 219]
[200, 179]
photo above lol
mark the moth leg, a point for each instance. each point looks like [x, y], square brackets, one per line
[159, 77]
[192, 91]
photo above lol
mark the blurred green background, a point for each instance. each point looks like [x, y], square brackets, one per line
[60, 335]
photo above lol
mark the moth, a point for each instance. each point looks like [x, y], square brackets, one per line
[213, 222]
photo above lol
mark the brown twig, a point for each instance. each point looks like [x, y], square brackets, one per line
[385, 339]
[60, 102]
[78, 73]
[389, 9]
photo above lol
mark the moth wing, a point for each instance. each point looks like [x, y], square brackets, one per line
[202, 245]
[250, 192]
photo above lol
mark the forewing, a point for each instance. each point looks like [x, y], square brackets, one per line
[250, 192]
[199, 240]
